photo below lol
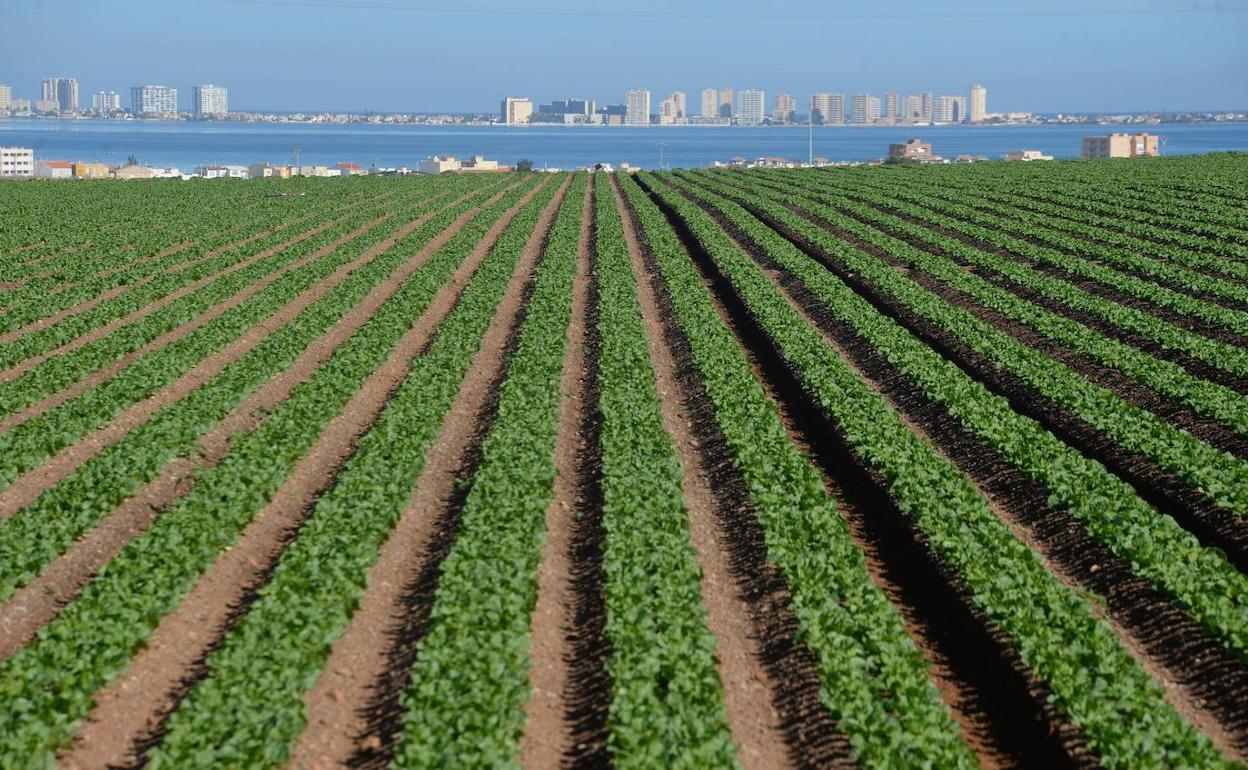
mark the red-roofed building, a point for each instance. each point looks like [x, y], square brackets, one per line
[54, 169]
[350, 169]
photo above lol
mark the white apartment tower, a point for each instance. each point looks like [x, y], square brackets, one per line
[516, 110]
[891, 106]
[710, 103]
[785, 107]
[725, 103]
[828, 108]
[210, 101]
[63, 91]
[6, 97]
[154, 100]
[864, 109]
[750, 107]
[672, 109]
[105, 102]
[637, 108]
[925, 98]
[979, 103]
[949, 109]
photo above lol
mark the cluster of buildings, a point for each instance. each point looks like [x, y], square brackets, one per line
[723, 106]
[20, 162]
[60, 96]
[1115, 145]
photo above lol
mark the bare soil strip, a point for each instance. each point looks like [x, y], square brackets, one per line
[749, 690]
[33, 606]
[1001, 708]
[1203, 682]
[30, 485]
[586, 693]
[353, 708]
[101, 331]
[130, 713]
[547, 735]
[1191, 508]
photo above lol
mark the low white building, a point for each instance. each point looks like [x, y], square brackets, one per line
[17, 161]
[439, 164]
[54, 169]
[479, 163]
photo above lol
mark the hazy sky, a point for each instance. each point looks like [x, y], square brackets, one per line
[411, 55]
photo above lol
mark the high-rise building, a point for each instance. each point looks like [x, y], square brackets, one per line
[710, 103]
[672, 109]
[828, 108]
[912, 109]
[62, 91]
[209, 101]
[638, 112]
[926, 111]
[105, 102]
[516, 110]
[750, 107]
[864, 109]
[6, 97]
[681, 99]
[154, 100]
[979, 103]
[949, 109]
[785, 107]
[725, 103]
[891, 106]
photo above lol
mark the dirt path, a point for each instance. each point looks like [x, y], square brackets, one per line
[749, 690]
[36, 604]
[134, 706]
[340, 706]
[547, 734]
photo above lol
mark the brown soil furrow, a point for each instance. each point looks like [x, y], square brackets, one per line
[1204, 683]
[749, 690]
[344, 707]
[1000, 706]
[30, 485]
[130, 712]
[25, 366]
[547, 734]
[33, 606]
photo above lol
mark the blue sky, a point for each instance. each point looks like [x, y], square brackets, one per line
[405, 55]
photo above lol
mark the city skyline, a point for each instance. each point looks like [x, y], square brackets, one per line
[327, 58]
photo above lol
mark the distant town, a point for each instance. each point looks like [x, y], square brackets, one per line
[59, 97]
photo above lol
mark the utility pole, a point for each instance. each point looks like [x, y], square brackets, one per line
[810, 137]
[296, 154]
[662, 165]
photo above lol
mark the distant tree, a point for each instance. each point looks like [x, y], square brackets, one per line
[524, 164]
[131, 160]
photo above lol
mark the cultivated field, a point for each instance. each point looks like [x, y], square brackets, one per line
[883, 467]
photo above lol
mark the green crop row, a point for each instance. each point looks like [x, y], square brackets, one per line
[249, 710]
[41, 531]
[47, 687]
[1090, 676]
[874, 680]
[1169, 379]
[667, 703]
[33, 441]
[1213, 592]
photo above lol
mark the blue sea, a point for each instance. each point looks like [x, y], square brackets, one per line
[189, 144]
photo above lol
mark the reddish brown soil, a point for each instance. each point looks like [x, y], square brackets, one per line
[340, 706]
[749, 691]
[135, 705]
[37, 603]
[547, 734]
